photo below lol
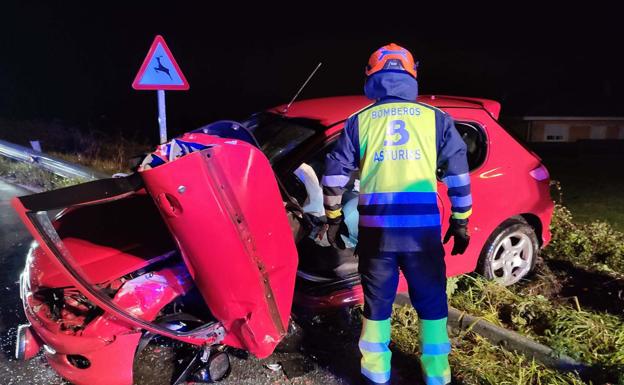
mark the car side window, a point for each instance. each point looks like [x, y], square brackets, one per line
[294, 183]
[476, 143]
[317, 163]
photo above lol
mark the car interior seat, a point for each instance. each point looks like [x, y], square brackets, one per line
[318, 260]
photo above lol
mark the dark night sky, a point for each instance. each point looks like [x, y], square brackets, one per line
[76, 64]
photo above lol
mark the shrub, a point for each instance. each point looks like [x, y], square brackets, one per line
[595, 245]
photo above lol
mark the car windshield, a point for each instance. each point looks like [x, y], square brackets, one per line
[278, 135]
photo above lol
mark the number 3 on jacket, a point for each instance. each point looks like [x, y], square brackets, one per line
[396, 127]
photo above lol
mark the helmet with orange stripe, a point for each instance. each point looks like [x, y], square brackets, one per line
[391, 57]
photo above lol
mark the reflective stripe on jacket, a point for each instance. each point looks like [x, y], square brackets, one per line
[398, 145]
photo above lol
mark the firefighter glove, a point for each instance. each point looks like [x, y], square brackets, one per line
[458, 229]
[334, 228]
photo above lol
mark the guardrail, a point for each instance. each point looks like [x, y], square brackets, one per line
[52, 164]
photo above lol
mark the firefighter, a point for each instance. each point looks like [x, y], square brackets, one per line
[398, 144]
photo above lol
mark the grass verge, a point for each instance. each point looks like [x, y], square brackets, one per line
[32, 176]
[108, 152]
[594, 338]
[475, 361]
[535, 308]
[104, 152]
[595, 245]
[593, 187]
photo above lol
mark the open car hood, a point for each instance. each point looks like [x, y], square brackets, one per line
[224, 211]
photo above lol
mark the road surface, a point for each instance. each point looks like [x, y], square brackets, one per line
[14, 242]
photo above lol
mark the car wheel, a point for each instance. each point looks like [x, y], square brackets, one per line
[510, 252]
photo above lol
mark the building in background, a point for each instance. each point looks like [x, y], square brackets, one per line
[538, 129]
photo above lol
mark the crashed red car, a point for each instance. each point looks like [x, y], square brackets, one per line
[214, 247]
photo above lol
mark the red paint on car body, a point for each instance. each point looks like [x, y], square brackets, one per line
[231, 227]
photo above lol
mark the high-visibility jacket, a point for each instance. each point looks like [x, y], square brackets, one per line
[397, 145]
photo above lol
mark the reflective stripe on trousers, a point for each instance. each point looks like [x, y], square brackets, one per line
[435, 348]
[376, 355]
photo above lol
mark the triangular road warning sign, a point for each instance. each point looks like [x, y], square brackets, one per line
[159, 70]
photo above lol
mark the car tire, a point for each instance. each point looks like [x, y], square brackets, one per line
[510, 252]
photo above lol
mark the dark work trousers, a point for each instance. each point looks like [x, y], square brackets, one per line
[426, 278]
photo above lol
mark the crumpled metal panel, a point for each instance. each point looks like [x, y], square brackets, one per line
[106, 341]
[225, 211]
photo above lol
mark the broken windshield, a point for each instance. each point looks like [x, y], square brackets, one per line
[278, 135]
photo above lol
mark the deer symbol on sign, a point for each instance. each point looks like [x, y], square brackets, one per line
[161, 67]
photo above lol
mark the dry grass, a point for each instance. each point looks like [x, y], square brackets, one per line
[592, 187]
[592, 338]
[475, 361]
[32, 176]
[109, 152]
[595, 245]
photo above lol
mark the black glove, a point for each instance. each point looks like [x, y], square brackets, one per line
[333, 229]
[458, 229]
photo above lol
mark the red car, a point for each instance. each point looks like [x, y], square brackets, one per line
[215, 247]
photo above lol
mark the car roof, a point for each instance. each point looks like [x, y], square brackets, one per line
[330, 110]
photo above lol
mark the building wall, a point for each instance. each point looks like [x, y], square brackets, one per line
[572, 130]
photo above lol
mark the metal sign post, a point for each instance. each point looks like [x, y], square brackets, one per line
[162, 116]
[160, 72]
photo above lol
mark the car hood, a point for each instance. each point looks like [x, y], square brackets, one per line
[223, 210]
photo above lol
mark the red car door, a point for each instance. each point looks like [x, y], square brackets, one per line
[225, 211]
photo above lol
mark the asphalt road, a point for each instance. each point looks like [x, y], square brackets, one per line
[14, 243]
